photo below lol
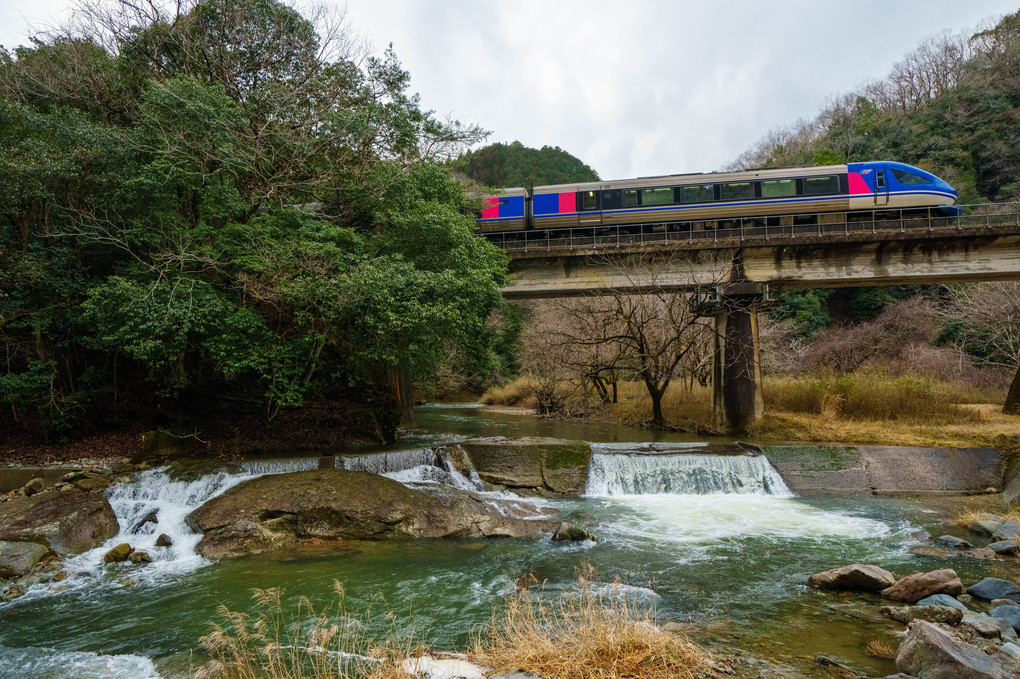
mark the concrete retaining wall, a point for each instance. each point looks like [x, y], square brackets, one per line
[887, 470]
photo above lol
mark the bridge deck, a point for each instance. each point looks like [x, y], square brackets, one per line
[980, 220]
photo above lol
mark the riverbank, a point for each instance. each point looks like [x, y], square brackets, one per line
[867, 409]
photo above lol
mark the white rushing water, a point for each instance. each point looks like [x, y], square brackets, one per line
[696, 502]
[648, 473]
[47, 663]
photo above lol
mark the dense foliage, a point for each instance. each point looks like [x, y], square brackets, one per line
[220, 203]
[505, 165]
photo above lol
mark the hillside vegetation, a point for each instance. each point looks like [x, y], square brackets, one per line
[505, 165]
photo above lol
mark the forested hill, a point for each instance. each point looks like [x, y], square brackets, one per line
[952, 106]
[505, 165]
[210, 209]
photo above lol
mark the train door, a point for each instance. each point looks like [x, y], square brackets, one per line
[881, 188]
[589, 208]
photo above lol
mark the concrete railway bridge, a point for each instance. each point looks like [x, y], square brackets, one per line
[735, 269]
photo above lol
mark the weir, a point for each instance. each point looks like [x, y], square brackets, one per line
[683, 474]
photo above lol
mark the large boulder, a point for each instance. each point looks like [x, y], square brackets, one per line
[18, 558]
[994, 588]
[917, 586]
[532, 463]
[69, 522]
[932, 651]
[273, 511]
[855, 578]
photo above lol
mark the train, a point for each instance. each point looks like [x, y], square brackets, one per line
[768, 197]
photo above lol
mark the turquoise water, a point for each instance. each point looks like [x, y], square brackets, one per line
[740, 557]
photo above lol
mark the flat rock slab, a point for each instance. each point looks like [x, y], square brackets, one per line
[932, 651]
[854, 578]
[68, 522]
[906, 614]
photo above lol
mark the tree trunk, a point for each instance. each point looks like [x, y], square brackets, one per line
[1012, 406]
[657, 419]
[405, 397]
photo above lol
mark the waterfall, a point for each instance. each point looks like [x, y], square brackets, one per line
[681, 474]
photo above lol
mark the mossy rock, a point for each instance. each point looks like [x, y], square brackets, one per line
[548, 464]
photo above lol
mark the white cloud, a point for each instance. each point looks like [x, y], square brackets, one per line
[648, 87]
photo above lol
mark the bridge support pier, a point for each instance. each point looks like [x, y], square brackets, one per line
[736, 365]
[1012, 406]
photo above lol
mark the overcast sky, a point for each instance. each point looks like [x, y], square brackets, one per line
[633, 89]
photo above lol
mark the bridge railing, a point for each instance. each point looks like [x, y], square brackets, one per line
[878, 223]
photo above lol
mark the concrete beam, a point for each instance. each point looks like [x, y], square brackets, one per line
[903, 260]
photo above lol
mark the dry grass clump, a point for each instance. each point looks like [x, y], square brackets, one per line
[870, 396]
[969, 515]
[519, 392]
[588, 634]
[308, 644]
[880, 649]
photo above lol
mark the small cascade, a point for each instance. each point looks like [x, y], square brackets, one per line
[281, 466]
[448, 465]
[682, 474]
[154, 504]
[387, 463]
[457, 463]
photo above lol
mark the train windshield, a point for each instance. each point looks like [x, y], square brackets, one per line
[904, 177]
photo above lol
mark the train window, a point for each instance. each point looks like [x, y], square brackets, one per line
[778, 188]
[589, 200]
[656, 196]
[630, 198]
[701, 193]
[819, 186]
[736, 191]
[905, 177]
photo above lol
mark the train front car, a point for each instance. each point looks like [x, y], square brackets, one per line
[507, 211]
[886, 185]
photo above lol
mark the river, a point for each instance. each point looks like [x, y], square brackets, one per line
[717, 540]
